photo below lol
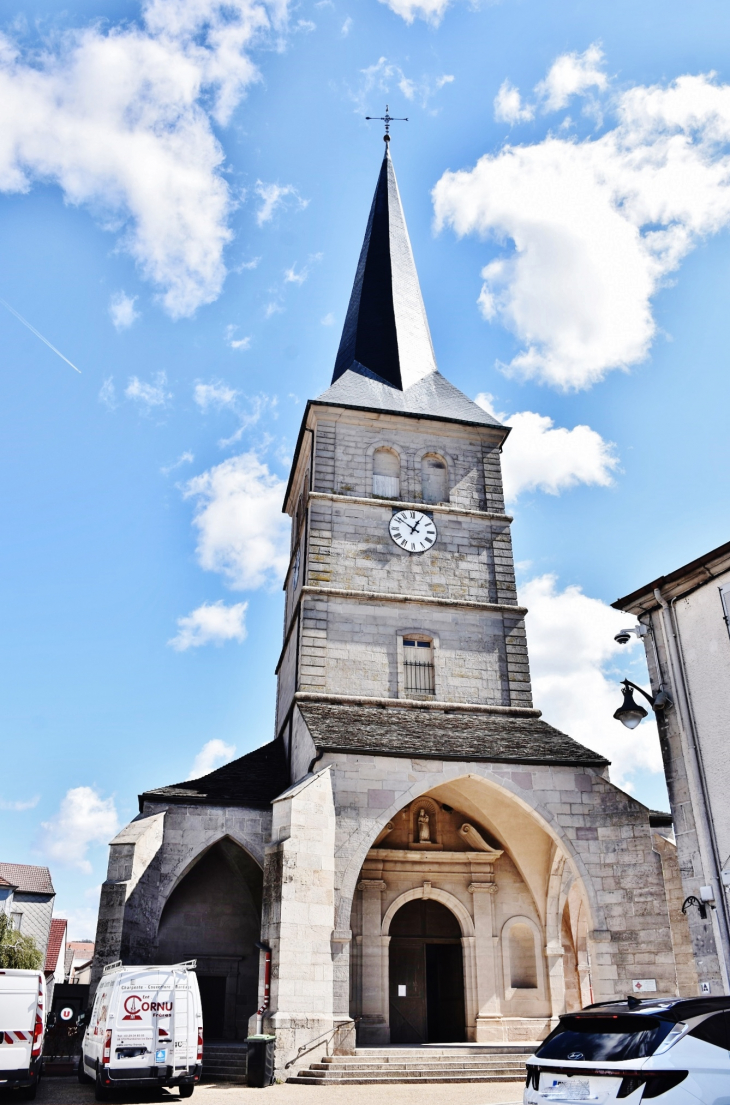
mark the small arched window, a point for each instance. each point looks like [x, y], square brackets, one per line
[434, 479]
[386, 474]
[522, 962]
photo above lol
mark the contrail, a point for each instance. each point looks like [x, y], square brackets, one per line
[39, 335]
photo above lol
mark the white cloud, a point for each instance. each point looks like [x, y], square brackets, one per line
[291, 276]
[185, 458]
[575, 675]
[240, 344]
[328, 320]
[121, 117]
[384, 75]
[19, 805]
[572, 75]
[508, 106]
[211, 623]
[216, 395]
[121, 310]
[211, 755]
[107, 393]
[594, 228]
[432, 11]
[84, 818]
[246, 265]
[242, 531]
[539, 457]
[274, 196]
[149, 395]
[346, 27]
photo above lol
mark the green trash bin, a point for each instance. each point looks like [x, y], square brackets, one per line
[260, 1061]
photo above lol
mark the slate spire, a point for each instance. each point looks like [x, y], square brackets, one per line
[386, 335]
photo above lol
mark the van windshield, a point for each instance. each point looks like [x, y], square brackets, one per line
[608, 1038]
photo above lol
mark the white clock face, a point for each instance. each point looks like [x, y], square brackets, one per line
[412, 530]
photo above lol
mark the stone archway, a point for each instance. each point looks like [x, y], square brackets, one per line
[213, 915]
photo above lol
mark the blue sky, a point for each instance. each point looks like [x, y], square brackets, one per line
[183, 193]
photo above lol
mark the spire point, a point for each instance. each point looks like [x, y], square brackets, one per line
[387, 119]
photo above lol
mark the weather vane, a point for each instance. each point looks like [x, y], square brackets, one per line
[387, 119]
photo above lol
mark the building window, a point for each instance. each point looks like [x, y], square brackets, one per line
[522, 962]
[434, 479]
[418, 670]
[386, 474]
[17, 920]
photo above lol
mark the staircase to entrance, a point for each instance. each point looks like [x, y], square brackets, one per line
[425, 1063]
[224, 1061]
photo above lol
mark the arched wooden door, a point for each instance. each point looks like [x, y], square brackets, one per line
[426, 975]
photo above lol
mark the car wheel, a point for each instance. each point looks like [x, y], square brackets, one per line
[186, 1091]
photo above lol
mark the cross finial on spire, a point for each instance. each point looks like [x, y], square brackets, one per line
[387, 119]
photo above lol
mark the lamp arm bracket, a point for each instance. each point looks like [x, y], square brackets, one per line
[649, 698]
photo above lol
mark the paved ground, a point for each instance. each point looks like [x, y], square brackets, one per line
[67, 1091]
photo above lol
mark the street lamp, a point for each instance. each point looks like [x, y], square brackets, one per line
[630, 713]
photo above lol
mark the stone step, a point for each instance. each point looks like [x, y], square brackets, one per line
[307, 1079]
[438, 1050]
[343, 1068]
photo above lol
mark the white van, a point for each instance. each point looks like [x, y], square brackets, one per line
[145, 1029]
[22, 1025]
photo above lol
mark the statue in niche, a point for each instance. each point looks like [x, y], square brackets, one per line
[424, 828]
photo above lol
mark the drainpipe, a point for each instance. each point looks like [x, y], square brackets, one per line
[267, 987]
[705, 825]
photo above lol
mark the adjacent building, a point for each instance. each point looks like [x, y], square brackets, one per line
[686, 615]
[27, 896]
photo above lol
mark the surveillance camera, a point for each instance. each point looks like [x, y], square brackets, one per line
[623, 637]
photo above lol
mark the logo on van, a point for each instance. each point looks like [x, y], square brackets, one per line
[134, 1006]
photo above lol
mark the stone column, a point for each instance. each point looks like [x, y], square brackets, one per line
[584, 977]
[374, 1029]
[298, 920]
[488, 1021]
[556, 979]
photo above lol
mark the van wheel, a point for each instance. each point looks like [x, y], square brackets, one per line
[101, 1093]
[186, 1091]
[28, 1094]
[84, 1078]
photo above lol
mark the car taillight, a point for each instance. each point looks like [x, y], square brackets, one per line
[200, 1045]
[107, 1051]
[37, 1037]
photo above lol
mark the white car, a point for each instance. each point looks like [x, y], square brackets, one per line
[145, 1030]
[676, 1050]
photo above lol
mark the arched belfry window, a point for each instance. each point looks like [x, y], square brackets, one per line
[386, 474]
[434, 479]
[418, 669]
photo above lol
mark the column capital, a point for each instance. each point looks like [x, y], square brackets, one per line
[372, 885]
[482, 888]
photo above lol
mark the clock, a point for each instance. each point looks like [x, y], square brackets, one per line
[412, 530]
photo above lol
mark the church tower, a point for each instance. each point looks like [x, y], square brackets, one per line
[401, 588]
[425, 857]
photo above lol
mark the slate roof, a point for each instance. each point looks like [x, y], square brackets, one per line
[386, 330]
[253, 781]
[433, 397]
[26, 878]
[56, 941]
[438, 734]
